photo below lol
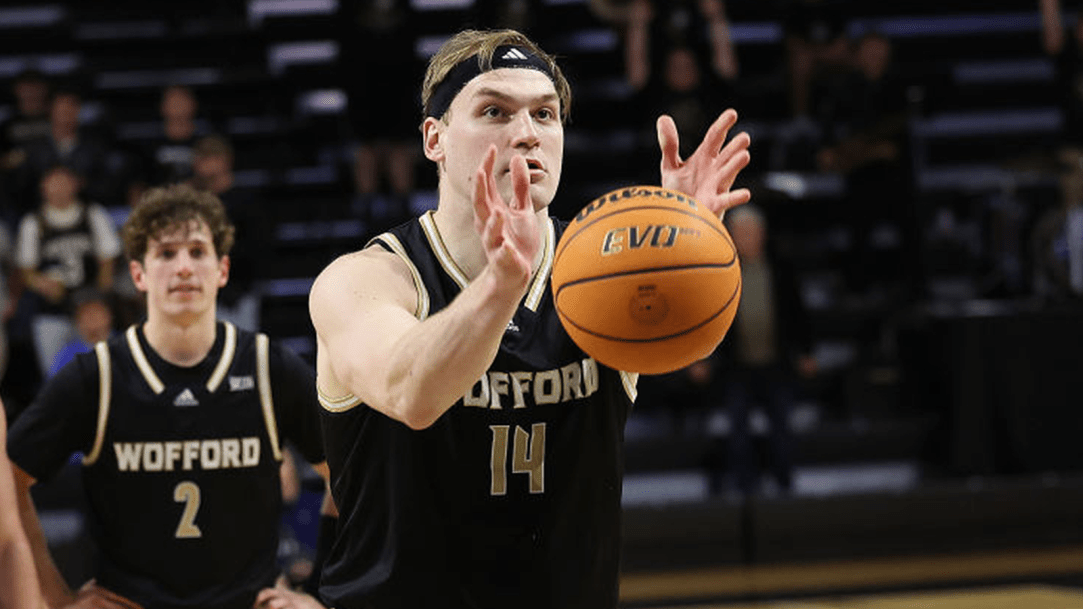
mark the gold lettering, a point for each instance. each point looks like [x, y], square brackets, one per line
[250, 452]
[498, 386]
[210, 454]
[152, 457]
[231, 453]
[520, 386]
[590, 375]
[478, 395]
[547, 387]
[572, 377]
[127, 456]
[191, 453]
[172, 454]
[498, 477]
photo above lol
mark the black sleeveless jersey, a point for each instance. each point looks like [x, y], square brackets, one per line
[181, 465]
[67, 254]
[511, 498]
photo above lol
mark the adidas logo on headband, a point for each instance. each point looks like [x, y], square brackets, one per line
[505, 56]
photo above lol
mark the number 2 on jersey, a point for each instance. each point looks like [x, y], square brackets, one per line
[528, 457]
[187, 493]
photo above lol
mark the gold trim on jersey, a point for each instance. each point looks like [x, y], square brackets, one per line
[440, 249]
[339, 404]
[263, 377]
[541, 278]
[105, 394]
[422, 310]
[538, 283]
[228, 350]
[141, 362]
[630, 380]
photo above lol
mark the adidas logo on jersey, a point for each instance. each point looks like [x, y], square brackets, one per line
[186, 398]
[241, 383]
[512, 326]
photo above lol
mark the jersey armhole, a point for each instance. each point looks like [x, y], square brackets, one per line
[105, 395]
[266, 400]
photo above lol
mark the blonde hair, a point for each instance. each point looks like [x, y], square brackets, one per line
[483, 44]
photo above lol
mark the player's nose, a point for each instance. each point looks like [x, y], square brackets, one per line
[525, 131]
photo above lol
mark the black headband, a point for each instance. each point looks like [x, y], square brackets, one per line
[505, 56]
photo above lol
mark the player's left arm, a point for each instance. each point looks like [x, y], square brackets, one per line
[708, 175]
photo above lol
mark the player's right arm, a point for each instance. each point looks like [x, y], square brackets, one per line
[61, 420]
[371, 345]
[19, 586]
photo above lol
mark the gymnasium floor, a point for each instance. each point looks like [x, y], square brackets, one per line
[1039, 578]
[1005, 597]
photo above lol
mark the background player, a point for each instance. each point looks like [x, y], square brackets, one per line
[181, 422]
[476, 453]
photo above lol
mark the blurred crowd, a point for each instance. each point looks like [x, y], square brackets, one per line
[841, 104]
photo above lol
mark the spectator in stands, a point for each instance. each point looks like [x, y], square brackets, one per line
[767, 350]
[816, 46]
[862, 112]
[92, 315]
[68, 143]
[212, 166]
[1057, 239]
[169, 157]
[680, 61]
[377, 46]
[1065, 46]
[30, 120]
[65, 245]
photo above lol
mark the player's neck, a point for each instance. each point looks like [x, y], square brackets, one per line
[181, 344]
[464, 243]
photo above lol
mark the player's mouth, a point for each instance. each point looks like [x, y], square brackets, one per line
[185, 289]
[536, 169]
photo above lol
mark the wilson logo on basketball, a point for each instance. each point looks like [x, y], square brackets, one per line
[635, 237]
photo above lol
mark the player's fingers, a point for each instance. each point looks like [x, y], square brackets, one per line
[738, 144]
[727, 173]
[520, 179]
[716, 134]
[494, 230]
[669, 143]
[482, 182]
[732, 199]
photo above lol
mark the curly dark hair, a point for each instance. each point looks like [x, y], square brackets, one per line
[164, 210]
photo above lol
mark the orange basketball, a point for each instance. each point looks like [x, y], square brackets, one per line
[646, 280]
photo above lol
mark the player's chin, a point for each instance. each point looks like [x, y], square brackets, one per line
[541, 195]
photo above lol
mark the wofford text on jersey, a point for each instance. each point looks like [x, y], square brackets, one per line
[222, 453]
[497, 390]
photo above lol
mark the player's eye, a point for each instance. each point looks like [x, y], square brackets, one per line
[167, 252]
[546, 114]
[197, 252]
[491, 112]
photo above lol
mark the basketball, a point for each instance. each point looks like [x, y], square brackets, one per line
[646, 280]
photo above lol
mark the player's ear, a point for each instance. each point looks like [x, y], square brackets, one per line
[135, 268]
[432, 138]
[223, 270]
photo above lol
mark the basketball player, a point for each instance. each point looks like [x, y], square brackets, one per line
[475, 452]
[181, 422]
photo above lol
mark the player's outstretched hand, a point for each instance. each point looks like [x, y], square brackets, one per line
[708, 174]
[282, 597]
[509, 231]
